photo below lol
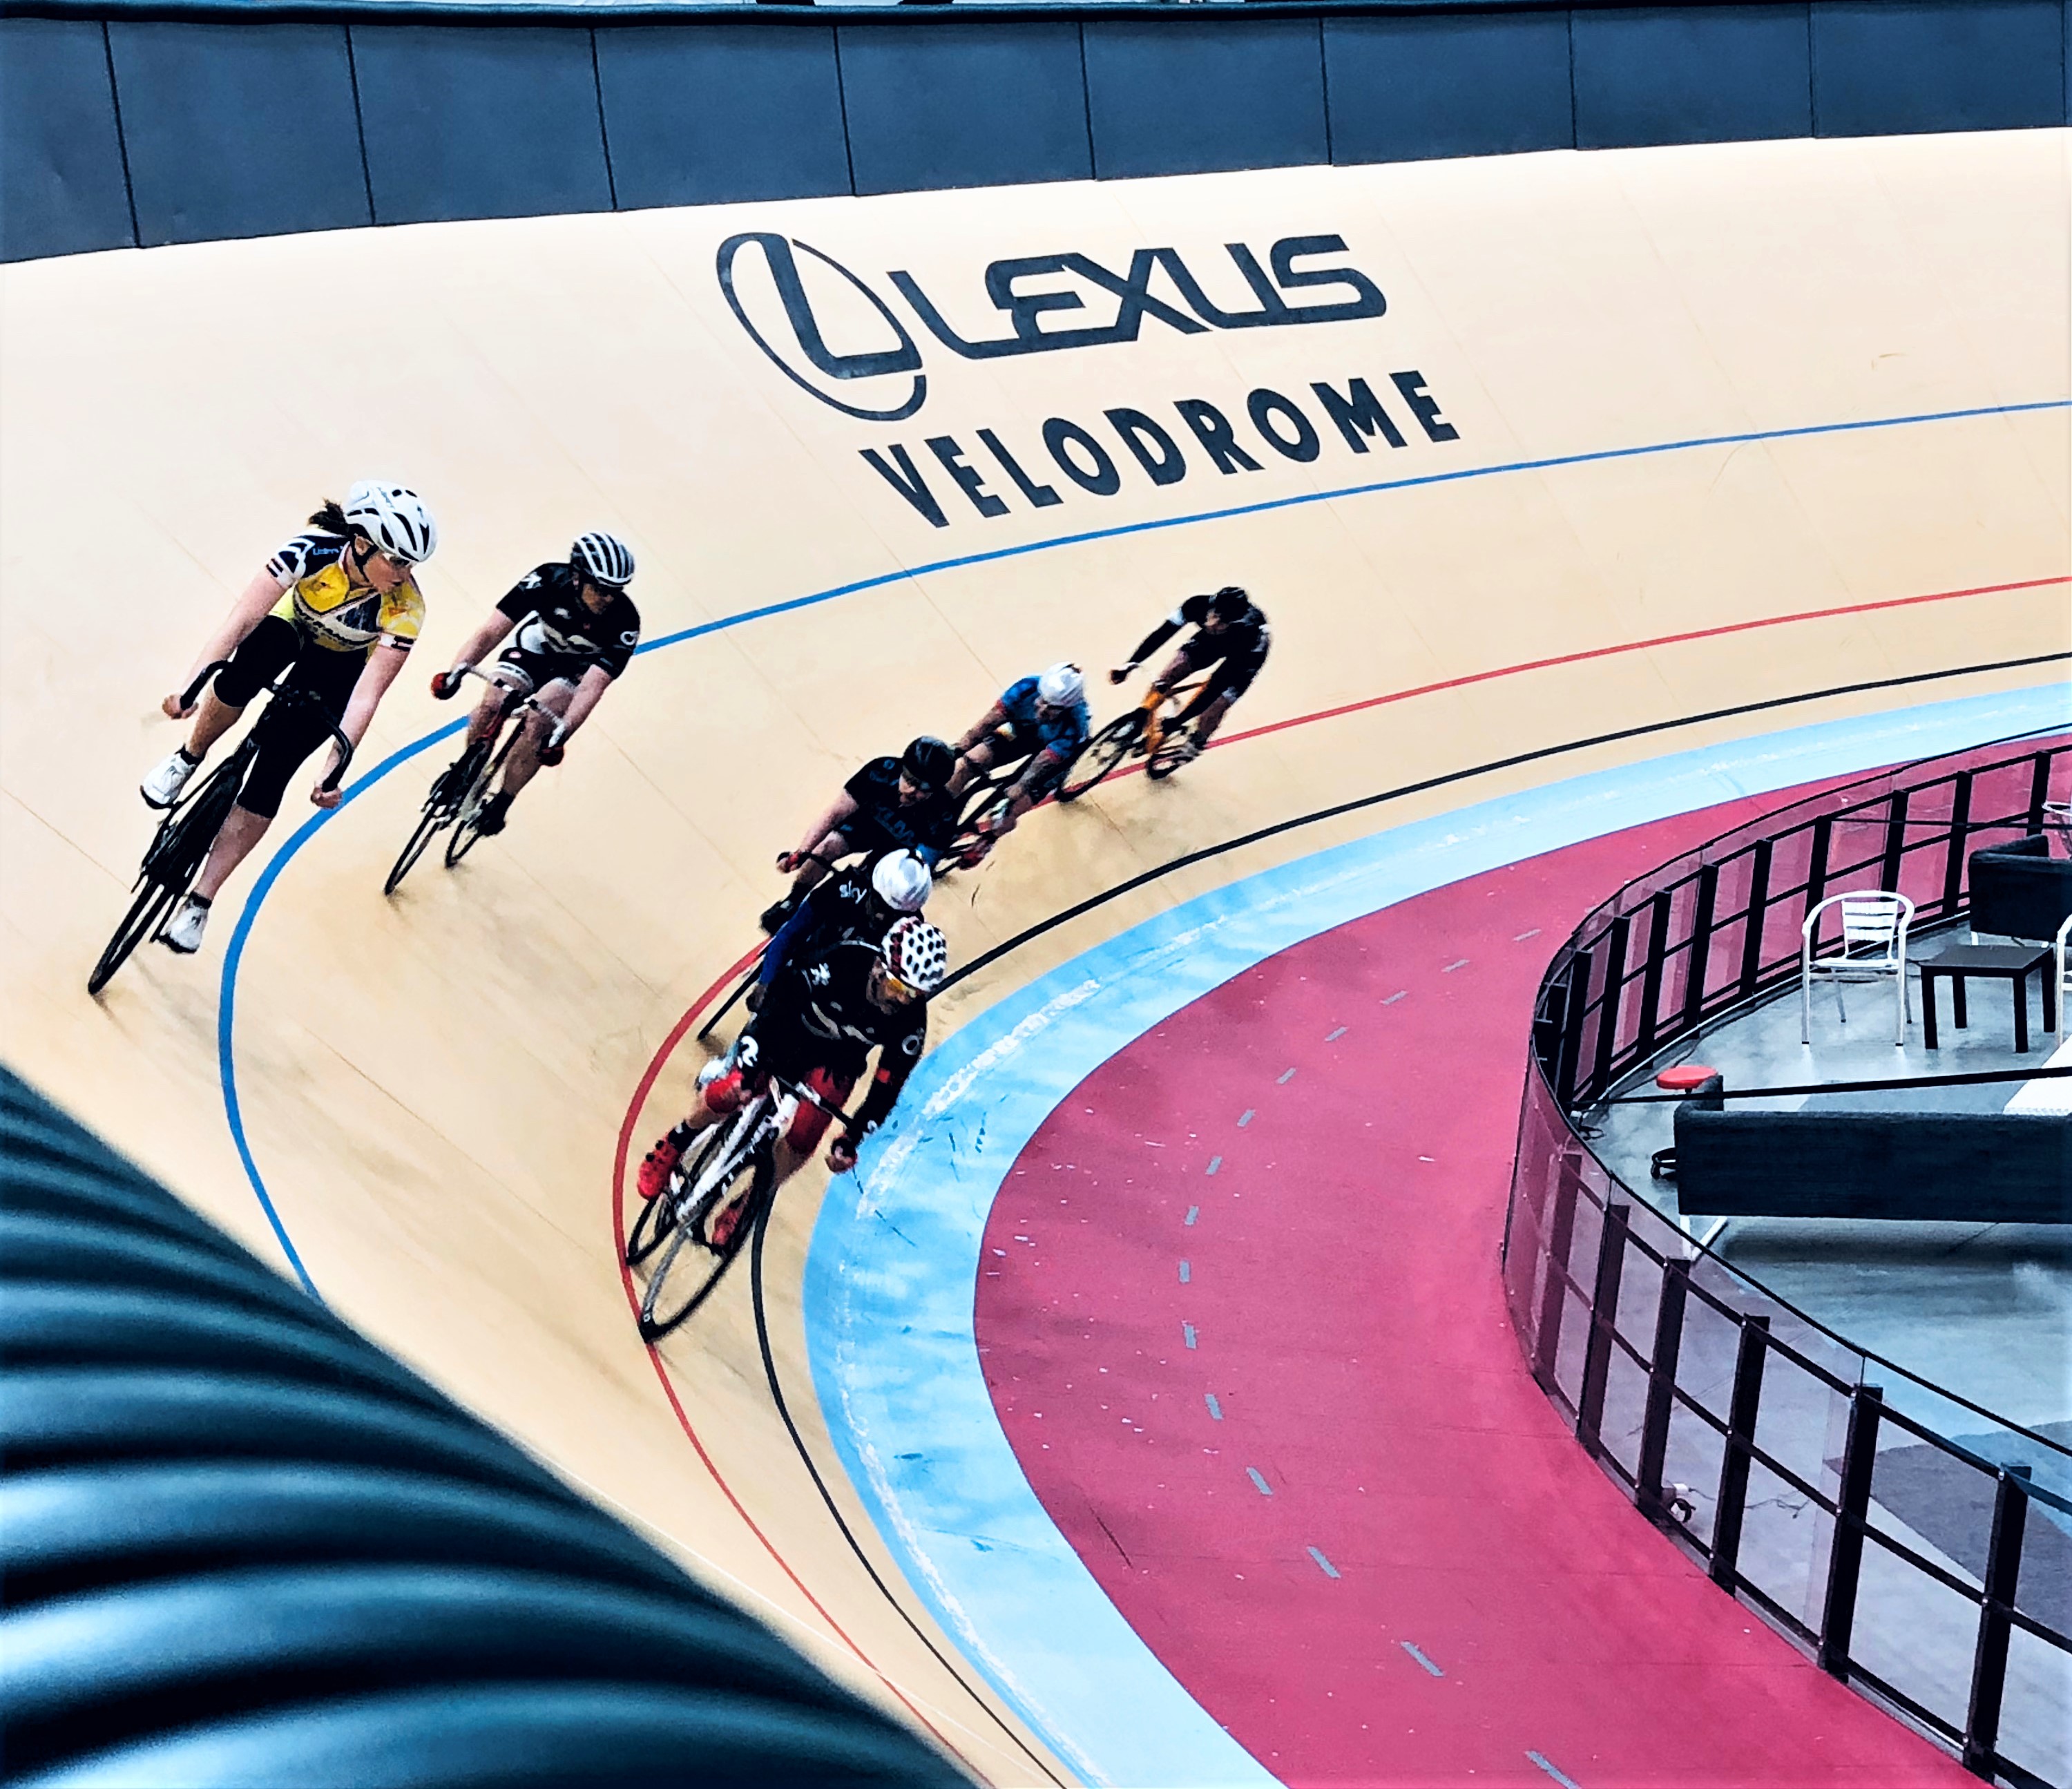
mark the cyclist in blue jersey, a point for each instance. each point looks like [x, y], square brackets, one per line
[1044, 716]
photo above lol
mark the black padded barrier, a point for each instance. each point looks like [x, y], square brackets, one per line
[241, 1545]
[474, 108]
[957, 104]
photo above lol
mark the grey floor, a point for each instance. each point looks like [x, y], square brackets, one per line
[1985, 1310]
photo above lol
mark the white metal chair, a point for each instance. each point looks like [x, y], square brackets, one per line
[2061, 948]
[1874, 928]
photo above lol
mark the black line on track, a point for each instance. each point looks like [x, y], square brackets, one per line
[1182, 862]
[820, 1485]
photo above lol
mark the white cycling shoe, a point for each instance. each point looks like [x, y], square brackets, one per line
[182, 932]
[161, 787]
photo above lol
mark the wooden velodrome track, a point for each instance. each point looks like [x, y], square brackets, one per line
[1711, 428]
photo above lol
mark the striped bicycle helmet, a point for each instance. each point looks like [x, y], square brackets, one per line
[605, 559]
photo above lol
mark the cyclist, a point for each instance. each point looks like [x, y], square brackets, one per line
[824, 1014]
[862, 903]
[577, 631]
[337, 608]
[1046, 717]
[890, 803]
[1231, 635]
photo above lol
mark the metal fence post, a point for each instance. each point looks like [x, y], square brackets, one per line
[1982, 1723]
[1662, 1386]
[1895, 840]
[1609, 1003]
[1569, 1063]
[1960, 827]
[1740, 1442]
[1845, 1552]
[1603, 1316]
[1816, 865]
[1751, 928]
[1694, 970]
[2039, 789]
[1560, 1232]
[1651, 973]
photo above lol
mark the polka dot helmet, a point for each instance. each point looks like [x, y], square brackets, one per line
[917, 952]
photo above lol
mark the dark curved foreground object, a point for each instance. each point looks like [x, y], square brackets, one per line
[241, 1545]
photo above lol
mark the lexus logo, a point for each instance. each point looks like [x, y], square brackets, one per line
[797, 342]
[810, 353]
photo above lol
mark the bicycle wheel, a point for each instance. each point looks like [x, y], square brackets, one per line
[1101, 754]
[436, 814]
[733, 999]
[469, 808]
[153, 902]
[171, 862]
[678, 1287]
[656, 1223]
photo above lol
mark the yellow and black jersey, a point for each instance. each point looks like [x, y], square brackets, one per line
[327, 608]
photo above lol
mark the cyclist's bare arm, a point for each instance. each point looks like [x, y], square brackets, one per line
[483, 641]
[245, 614]
[839, 812]
[384, 664]
[1150, 644]
[996, 718]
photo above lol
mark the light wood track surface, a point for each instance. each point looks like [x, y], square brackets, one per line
[432, 1088]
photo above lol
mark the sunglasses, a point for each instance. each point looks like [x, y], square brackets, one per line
[899, 990]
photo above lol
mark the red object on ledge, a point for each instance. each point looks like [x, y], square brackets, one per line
[1685, 1078]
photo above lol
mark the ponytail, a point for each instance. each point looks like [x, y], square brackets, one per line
[330, 519]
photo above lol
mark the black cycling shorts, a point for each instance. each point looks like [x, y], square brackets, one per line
[288, 732]
[539, 669]
[1231, 678]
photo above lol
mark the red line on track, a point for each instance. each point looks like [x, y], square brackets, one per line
[653, 1074]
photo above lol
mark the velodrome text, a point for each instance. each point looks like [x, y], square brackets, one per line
[1082, 460]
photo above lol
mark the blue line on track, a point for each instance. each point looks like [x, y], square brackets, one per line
[234, 958]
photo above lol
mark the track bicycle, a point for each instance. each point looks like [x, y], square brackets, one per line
[986, 795]
[716, 1197]
[180, 846]
[1141, 733]
[461, 791]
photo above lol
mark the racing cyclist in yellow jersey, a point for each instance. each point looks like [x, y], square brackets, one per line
[338, 609]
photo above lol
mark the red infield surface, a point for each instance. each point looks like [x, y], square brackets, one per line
[1248, 1340]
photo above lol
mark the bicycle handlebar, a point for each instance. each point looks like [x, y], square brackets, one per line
[513, 700]
[279, 691]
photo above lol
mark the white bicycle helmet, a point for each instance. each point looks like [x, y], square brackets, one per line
[917, 952]
[902, 881]
[394, 518]
[606, 559]
[1061, 686]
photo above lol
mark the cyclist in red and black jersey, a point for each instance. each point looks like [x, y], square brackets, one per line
[576, 632]
[820, 1019]
[1231, 636]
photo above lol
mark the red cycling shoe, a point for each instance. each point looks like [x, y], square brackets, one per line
[723, 1226]
[656, 1166]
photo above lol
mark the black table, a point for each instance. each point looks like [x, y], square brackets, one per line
[2012, 963]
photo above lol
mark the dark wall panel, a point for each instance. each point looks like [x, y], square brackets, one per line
[703, 114]
[1691, 75]
[1188, 96]
[238, 129]
[963, 105]
[1408, 88]
[475, 121]
[61, 186]
[1880, 69]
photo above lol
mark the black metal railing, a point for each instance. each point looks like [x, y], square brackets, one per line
[1919, 1547]
[1719, 926]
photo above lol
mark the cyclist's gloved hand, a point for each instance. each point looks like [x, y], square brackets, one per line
[325, 798]
[747, 1052]
[755, 997]
[842, 1156]
[551, 755]
[1120, 672]
[445, 688]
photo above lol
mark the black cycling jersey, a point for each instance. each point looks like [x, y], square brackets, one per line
[818, 1015]
[882, 824]
[844, 908]
[1244, 639]
[555, 623]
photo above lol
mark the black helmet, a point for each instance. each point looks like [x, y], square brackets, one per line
[929, 762]
[1231, 600]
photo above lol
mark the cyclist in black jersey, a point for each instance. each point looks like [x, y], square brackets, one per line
[824, 1015]
[576, 632]
[864, 903]
[891, 805]
[1231, 636]
[337, 608]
